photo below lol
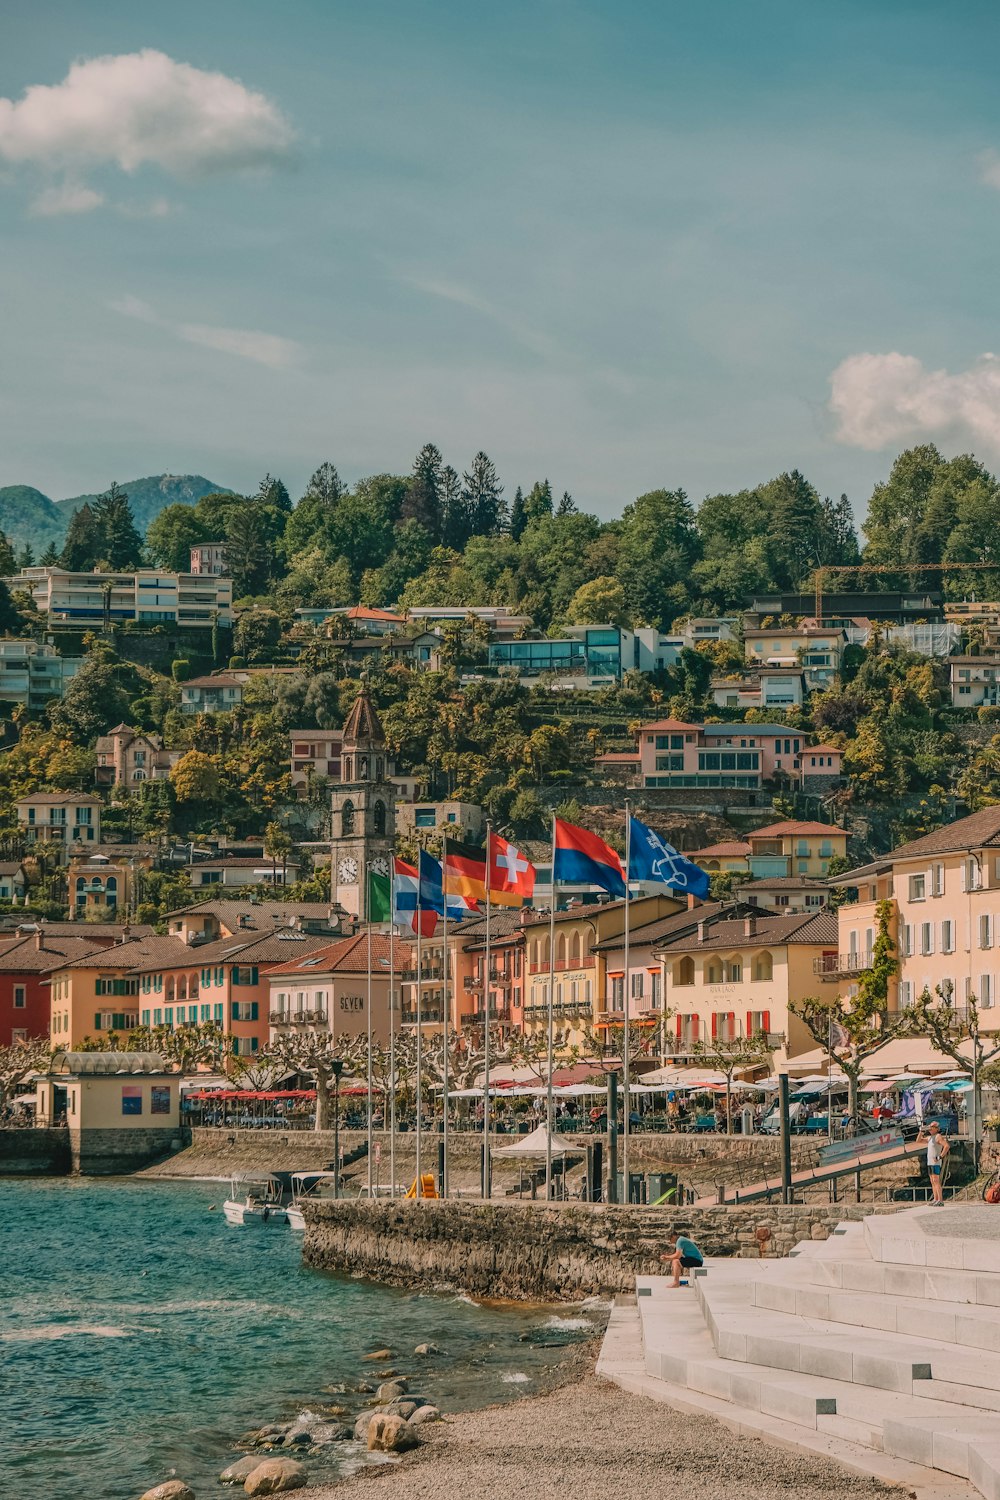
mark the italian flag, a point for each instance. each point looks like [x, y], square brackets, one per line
[379, 897]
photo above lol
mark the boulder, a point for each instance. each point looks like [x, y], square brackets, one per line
[424, 1414]
[361, 1426]
[172, 1489]
[379, 1354]
[298, 1438]
[387, 1434]
[426, 1350]
[240, 1470]
[330, 1432]
[274, 1476]
[391, 1390]
[405, 1407]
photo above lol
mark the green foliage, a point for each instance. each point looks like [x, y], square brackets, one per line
[99, 696]
[257, 633]
[658, 548]
[180, 669]
[599, 602]
[171, 535]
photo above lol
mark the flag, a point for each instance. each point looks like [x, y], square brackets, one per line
[379, 897]
[651, 858]
[511, 873]
[406, 911]
[431, 894]
[464, 871]
[839, 1036]
[581, 858]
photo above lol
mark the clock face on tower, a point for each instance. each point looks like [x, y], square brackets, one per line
[379, 866]
[347, 871]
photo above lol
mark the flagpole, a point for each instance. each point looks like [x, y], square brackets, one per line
[487, 1174]
[392, 1028]
[444, 1017]
[627, 986]
[368, 1003]
[549, 1114]
[420, 1019]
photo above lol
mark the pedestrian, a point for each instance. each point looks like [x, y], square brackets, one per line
[937, 1150]
[681, 1254]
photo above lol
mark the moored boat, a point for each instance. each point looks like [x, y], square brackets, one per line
[308, 1185]
[255, 1200]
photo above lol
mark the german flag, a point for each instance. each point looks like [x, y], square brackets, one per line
[464, 871]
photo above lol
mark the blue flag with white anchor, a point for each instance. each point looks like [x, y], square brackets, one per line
[652, 859]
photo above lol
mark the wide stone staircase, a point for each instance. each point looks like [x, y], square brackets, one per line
[883, 1339]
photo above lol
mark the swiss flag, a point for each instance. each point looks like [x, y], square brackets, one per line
[511, 873]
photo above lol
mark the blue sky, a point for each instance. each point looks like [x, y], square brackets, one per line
[621, 245]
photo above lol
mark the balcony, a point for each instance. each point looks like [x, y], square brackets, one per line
[431, 1016]
[298, 1017]
[477, 1018]
[427, 973]
[563, 964]
[841, 965]
[472, 986]
[560, 1008]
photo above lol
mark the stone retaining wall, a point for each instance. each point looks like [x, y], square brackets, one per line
[32, 1153]
[108, 1153]
[540, 1252]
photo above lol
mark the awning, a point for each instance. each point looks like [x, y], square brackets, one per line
[537, 1144]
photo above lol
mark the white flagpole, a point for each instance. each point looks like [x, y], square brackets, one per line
[550, 1050]
[444, 1020]
[627, 986]
[392, 1027]
[368, 1003]
[420, 1021]
[487, 1164]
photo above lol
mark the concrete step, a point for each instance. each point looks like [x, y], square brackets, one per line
[939, 1320]
[961, 1238]
[862, 1274]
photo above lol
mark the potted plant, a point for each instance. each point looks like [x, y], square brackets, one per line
[991, 1123]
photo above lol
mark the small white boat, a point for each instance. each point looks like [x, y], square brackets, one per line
[308, 1185]
[255, 1200]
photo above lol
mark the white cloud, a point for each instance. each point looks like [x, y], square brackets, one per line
[143, 108]
[156, 208]
[989, 168]
[264, 348]
[67, 198]
[882, 399]
[246, 343]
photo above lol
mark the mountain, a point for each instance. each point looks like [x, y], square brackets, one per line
[146, 496]
[29, 517]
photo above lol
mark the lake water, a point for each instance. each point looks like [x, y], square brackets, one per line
[140, 1335]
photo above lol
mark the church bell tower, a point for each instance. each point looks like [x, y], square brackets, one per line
[363, 810]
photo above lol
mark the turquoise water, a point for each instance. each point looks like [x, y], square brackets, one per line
[140, 1335]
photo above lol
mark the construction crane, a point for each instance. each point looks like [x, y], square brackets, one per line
[827, 568]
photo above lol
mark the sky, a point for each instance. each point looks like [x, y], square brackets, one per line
[621, 244]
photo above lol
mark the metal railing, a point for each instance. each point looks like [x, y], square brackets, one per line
[836, 965]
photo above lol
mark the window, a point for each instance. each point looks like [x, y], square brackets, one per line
[244, 975]
[714, 973]
[948, 936]
[19, 1001]
[655, 989]
[926, 937]
[986, 931]
[937, 880]
[618, 992]
[424, 817]
[735, 971]
[917, 887]
[763, 968]
[985, 991]
[684, 971]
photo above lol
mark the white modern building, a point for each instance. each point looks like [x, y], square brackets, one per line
[31, 673]
[146, 597]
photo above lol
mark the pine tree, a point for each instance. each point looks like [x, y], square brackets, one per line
[539, 501]
[247, 549]
[518, 515]
[454, 517]
[422, 501]
[8, 566]
[567, 505]
[118, 543]
[26, 556]
[48, 559]
[483, 495]
[79, 553]
[837, 541]
[272, 492]
[325, 485]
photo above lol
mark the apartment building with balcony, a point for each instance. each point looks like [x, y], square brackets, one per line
[637, 991]
[795, 847]
[328, 988]
[218, 693]
[587, 656]
[814, 650]
[580, 967]
[944, 896]
[59, 819]
[975, 681]
[673, 753]
[33, 673]
[103, 882]
[736, 977]
[500, 994]
[145, 597]
[208, 559]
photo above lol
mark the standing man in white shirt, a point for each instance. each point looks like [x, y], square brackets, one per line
[937, 1150]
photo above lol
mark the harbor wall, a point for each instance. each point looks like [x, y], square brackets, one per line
[34, 1153]
[542, 1252]
[110, 1152]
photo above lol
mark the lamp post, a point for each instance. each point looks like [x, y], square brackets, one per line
[337, 1068]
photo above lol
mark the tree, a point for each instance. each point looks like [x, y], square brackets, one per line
[729, 1056]
[96, 698]
[257, 633]
[271, 492]
[8, 564]
[483, 496]
[186, 1048]
[423, 493]
[79, 553]
[171, 535]
[278, 845]
[539, 501]
[18, 1062]
[955, 1032]
[600, 602]
[454, 515]
[195, 778]
[567, 505]
[26, 556]
[48, 559]
[314, 1054]
[315, 511]
[118, 542]
[10, 618]
[659, 546]
[248, 549]
[850, 1032]
[518, 514]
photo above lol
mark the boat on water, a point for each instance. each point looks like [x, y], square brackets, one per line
[311, 1185]
[256, 1200]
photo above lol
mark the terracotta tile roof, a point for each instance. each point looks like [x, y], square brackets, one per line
[677, 725]
[213, 682]
[136, 954]
[782, 883]
[826, 749]
[663, 929]
[781, 830]
[19, 955]
[769, 932]
[979, 830]
[362, 612]
[264, 916]
[247, 947]
[53, 799]
[349, 956]
[503, 924]
[731, 849]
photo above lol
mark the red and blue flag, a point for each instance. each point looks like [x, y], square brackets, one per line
[581, 858]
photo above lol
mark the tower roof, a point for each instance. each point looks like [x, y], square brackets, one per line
[363, 728]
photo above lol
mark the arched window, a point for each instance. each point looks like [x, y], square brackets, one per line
[713, 972]
[363, 768]
[193, 986]
[378, 769]
[735, 971]
[182, 987]
[763, 967]
[378, 817]
[169, 991]
[348, 764]
[684, 970]
[347, 819]
[574, 951]
[112, 883]
[81, 884]
[561, 949]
